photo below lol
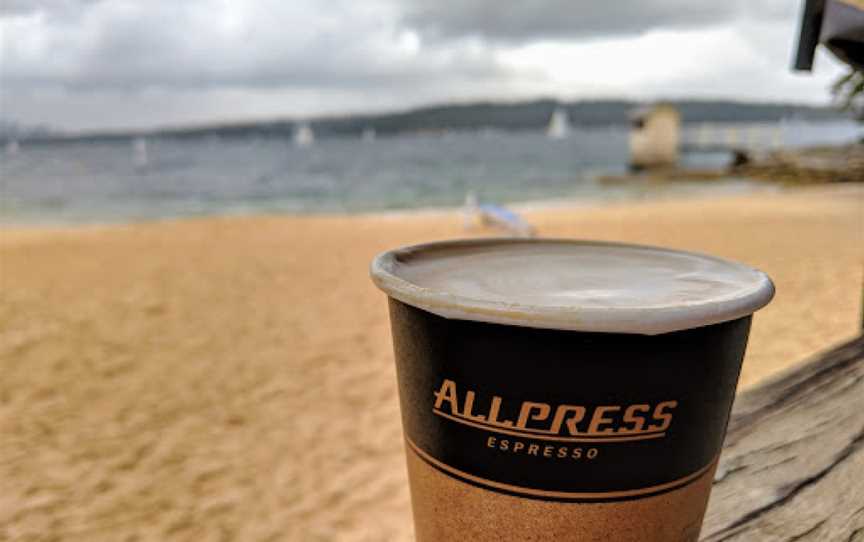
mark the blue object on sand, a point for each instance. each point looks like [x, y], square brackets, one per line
[506, 218]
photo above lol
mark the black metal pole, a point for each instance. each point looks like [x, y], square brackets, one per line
[811, 26]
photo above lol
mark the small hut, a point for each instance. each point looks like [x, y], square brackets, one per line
[655, 132]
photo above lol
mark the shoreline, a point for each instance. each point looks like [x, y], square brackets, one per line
[522, 206]
[697, 223]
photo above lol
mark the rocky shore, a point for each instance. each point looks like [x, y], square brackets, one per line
[809, 165]
[836, 164]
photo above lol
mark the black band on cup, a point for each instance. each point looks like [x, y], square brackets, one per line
[563, 415]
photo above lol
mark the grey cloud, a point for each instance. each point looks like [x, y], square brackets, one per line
[85, 45]
[49, 7]
[88, 63]
[168, 44]
[567, 19]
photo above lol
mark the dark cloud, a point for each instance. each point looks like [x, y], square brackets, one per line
[565, 19]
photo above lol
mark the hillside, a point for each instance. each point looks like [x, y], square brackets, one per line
[528, 115]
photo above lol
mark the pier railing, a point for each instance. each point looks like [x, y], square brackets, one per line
[706, 137]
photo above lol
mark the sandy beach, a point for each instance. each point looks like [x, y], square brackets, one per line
[232, 378]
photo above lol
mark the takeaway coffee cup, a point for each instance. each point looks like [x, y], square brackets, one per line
[564, 390]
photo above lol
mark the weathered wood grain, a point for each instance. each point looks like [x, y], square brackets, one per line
[793, 465]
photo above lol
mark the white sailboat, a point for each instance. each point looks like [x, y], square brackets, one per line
[303, 135]
[559, 124]
[368, 135]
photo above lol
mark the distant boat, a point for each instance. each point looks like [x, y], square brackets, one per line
[303, 135]
[369, 134]
[140, 156]
[12, 147]
[559, 124]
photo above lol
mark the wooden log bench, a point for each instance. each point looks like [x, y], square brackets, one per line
[793, 465]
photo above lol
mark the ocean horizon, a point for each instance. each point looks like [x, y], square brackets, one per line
[138, 179]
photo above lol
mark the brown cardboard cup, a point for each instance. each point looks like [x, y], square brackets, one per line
[564, 390]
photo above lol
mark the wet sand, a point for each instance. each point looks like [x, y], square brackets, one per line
[231, 378]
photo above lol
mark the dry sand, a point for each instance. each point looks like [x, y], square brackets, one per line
[231, 379]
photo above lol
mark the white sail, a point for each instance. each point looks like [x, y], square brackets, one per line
[303, 135]
[559, 124]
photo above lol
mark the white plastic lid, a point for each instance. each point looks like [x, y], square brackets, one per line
[573, 285]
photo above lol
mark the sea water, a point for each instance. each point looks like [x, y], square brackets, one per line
[133, 179]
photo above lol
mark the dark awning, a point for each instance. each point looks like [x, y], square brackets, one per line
[836, 24]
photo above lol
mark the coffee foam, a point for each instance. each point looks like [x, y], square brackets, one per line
[574, 285]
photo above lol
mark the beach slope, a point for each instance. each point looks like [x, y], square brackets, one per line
[232, 378]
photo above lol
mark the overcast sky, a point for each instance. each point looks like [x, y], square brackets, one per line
[85, 64]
